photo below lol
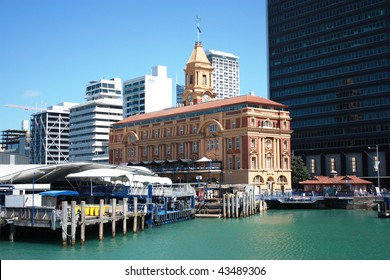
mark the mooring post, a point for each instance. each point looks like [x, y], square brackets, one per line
[135, 204]
[82, 226]
[113, 205]
[143, 222]
[73, 223]
[64, 222]
[124, 215]
[101, 219]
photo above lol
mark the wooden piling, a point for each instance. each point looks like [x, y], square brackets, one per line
[233, 204]
[228, 205]
[143, 222]
[224, 205]
[237, 206]
[124, 215]
[113, 223]
[244, 212]
[64, 221]
[82, 225]
[11, 236]
[73, 223]
[101, 219]
[135, 220]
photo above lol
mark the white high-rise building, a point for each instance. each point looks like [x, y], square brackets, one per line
[50, 134]
[90, 122]
[148, 93]
[226, 73]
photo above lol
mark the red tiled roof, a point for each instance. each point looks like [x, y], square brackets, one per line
[335, 180]
[203, 106]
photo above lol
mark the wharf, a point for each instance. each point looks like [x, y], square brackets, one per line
[71, 218]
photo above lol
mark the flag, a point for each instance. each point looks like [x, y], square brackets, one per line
[199, 30]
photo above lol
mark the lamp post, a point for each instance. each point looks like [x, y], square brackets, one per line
[33, 196]
[377, 162]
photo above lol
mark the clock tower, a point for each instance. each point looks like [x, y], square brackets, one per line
[198, 83]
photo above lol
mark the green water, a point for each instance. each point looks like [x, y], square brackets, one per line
[272, 235]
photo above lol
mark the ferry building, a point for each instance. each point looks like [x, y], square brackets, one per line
[239, 140]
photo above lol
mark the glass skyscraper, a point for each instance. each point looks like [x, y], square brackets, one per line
[329, 61]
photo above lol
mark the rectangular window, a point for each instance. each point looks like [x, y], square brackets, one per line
[253, 162]
[181, 130]
[238, 163]
[238, 143]
[168, 149]
[213, 128]
[268, 162]
[181, 148]
[253, 143]
[230, 163]
[195, 147]
[145, 153]
[155, 150]
[230, 143]
[168, 132]
[233, 123]
[285, 163]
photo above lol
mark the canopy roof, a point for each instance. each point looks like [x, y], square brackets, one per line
[335, 180]
[23, 174]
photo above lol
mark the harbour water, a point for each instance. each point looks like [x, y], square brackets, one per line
[271, 235]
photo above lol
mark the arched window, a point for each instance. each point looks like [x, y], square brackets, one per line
[267, 124]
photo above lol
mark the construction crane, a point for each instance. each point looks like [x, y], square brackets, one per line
[23, 107]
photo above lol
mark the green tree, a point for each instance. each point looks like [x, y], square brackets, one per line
[299, 171]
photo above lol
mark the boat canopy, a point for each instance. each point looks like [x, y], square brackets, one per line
[59, 193]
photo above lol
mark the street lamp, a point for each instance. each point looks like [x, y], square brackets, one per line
[377, 162]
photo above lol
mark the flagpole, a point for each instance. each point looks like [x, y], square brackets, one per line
[198, 28]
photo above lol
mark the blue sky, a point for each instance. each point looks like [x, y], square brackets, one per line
[51, 49]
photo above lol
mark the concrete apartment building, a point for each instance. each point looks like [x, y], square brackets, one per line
[147, 93]
[90, 122]
[226, 73]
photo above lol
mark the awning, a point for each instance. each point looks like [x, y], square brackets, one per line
[204, 159]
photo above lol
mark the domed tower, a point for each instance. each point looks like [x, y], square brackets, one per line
[198, 82]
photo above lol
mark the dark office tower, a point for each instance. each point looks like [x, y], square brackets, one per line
[329, 61]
